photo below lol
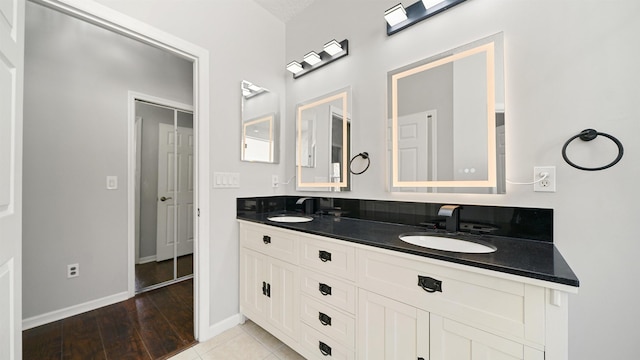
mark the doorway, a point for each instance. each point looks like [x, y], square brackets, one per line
[132, 29]
[164, 221]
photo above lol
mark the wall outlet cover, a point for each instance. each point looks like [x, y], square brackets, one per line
[548, 184]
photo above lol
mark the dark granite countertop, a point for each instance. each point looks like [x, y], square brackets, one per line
[532, 259]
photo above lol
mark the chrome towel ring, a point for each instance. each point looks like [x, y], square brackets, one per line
[588, 135]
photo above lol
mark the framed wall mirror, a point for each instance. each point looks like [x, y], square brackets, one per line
[260, 124]
[323, 142]
[446, 118]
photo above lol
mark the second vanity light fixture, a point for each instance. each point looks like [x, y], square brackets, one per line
[333, 50]
[399, 17]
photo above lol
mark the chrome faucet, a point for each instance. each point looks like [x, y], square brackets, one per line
[452, 213]
[308, 204]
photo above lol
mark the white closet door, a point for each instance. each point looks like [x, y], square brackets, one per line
[175, 192]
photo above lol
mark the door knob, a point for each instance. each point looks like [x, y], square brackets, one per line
[165, 198]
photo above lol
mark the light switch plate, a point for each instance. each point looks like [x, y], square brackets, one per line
[112, 182]
[226, 180]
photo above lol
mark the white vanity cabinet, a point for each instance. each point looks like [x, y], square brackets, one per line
[346, 300]
[328, 304]
[269, 279]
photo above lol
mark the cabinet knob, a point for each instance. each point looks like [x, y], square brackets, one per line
[324, 255]
[324, 289]
[429, 284]
[266, 239]
[324, 349]
[324, 319]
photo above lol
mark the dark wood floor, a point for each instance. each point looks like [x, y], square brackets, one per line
[152, 325]
[152, 273]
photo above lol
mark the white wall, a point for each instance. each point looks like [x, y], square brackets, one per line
[569, 65]
[77, 78]
[234, 32]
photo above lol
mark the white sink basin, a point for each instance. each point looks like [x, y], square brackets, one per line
[290, 218]
[447, 244]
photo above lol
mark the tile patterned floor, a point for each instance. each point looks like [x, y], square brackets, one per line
[243, 342]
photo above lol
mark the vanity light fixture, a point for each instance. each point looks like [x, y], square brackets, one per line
[312, 58]
[333, 50]
[417, 12]
[250, 89]
[395, 15]
[332, 47]
[430, 3]
[294, 66]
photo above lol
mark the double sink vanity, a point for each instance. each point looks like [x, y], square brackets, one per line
[367, 279]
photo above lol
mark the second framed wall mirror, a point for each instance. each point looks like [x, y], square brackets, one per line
[260, 124]
[447, 121]
[323, 141]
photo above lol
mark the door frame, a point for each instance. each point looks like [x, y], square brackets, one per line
[132, 180]
[110, 19]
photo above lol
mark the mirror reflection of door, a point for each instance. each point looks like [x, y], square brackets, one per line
[164, 195]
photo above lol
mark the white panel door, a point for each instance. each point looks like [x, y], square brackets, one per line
[451, 340]
[175, 192]
[417, 147]
[253, 282]
[389, 329]
[283, 296]
[11, 85]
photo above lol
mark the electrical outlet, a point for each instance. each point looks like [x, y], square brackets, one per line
[548, 184]
[73, 270]
[274, 181]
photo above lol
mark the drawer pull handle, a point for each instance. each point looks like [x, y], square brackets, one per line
[324, 319]
[324, 349]
[266, 289]
[266, 239]
[429, 284]
[324, 255]
[324, 289]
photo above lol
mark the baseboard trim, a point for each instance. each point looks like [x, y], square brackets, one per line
[73, 310]
[220, 327]
[146, 259]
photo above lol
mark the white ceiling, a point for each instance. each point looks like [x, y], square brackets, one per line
[284, 10]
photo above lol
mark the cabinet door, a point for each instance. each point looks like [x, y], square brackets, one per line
[451, 340]
[391, 330]
[283, 298]
[252, 275]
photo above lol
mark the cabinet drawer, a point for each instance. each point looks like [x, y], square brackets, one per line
[329, 290]
[270, 241]
[325, 319]
[328, 257]
[502, 306]
[319, 346]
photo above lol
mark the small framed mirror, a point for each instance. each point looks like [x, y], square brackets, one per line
[447, 121]
[323, 141]
[260, 124]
